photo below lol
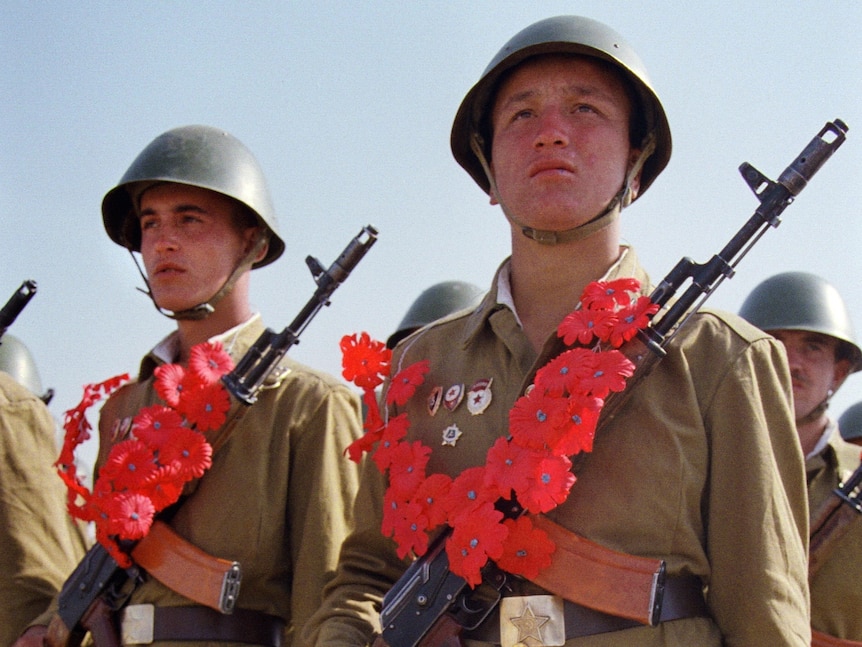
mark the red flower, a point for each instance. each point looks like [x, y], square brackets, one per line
[364, 361]
[129, 464]
[467, 493]
[404, 521]
[153, 425]
[131, 515]
[209, 361]
[507, 468]
[579, 430]
[567, 372]
[527, 549]
[479, 537]
[409, 530]
[205, 406]
[187, 451]
[533, 418]
[631, 319]
[582, 326]
[164, 487]
[407, 469]
[431, 495]
[549, 485]
[610, 374]
[403, 385]
[172, 380]
[389, 439]
[607, 295]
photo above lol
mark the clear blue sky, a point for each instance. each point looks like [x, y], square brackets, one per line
[348, 106]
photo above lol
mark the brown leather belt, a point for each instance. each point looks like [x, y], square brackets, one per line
[143, 623]
[683, 598]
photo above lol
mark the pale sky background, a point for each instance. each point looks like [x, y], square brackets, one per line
[348, 106]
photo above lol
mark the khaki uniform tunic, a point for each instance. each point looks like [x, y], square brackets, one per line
[279, 496]
[701, 467]
[836, 589]
[40, 545]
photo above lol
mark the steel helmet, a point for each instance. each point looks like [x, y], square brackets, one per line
[802, 301]
[435, 303]
[18, 362]
[199, 156]
[850, 423]
[561, 35]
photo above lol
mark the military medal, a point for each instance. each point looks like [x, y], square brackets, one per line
[451, 434]
[453, 397]
[435, 399]
[479, 396]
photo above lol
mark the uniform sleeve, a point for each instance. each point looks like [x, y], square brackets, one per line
[40, 545]
[322, 491]
[757, 533]
[367, 569]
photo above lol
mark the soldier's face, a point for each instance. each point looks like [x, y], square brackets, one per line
[814, 369]
[560, 148]
[190, 243]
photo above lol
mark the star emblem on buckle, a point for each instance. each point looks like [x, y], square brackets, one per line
[532, 621]
[529, 625]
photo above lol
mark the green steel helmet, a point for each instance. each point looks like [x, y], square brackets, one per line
[850, 423]
[18, 362]
[803, 301]
[199, 156]
[435, 303]
[563, 35]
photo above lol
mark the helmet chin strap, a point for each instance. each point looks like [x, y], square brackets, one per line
[602, 220]
[205, 309]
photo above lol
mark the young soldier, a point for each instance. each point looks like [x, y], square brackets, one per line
[809, 317]
[701, 468]
[278, 496]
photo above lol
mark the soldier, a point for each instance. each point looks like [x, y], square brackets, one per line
[278, 496]
[699, 469]
[39, 542]
[850, 424]
[438, 301]
[809, 317]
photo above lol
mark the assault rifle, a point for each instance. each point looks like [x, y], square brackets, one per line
[833, 520]
[16, 303]
[429, 605]
[98, 587]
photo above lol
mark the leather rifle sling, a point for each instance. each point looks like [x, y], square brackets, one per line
[188, 570]
[610, 581]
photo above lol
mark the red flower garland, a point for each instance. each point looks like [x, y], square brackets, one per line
[146, 472]
[554, 420]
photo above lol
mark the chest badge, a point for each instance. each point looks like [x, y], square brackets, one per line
[453, 396]
[479, 396]
[451, 434]
[435, 399]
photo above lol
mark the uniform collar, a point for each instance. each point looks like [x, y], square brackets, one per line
[168, 349]
[500, 295]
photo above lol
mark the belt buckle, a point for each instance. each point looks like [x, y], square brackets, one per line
[230, 588]
[136, 625]
[532, 621]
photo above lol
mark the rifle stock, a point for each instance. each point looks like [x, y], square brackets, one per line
[98, 576]
[408, 617]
